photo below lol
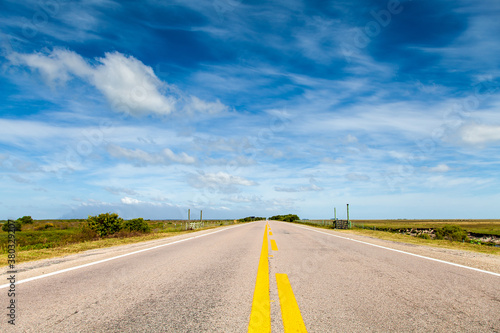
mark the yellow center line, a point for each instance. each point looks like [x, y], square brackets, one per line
[274, 247]
[270, 233]
[290, 312]
[260, 317]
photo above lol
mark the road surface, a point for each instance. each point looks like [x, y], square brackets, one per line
[255, 277]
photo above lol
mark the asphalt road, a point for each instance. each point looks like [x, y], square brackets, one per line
[211, 284]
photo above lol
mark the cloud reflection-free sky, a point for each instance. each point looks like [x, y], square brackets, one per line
[245, 108]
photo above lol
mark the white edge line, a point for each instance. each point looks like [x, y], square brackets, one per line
[404, 252]
[117, 257]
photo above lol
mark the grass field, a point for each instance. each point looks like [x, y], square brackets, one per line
[380, 228]
[51, 238]
[488, 227]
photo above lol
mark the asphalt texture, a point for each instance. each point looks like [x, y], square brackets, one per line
[206, 284]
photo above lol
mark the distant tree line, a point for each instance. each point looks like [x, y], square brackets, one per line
[286, 218]
[18, 224]
[251, 219]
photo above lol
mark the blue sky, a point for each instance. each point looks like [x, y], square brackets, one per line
[239, 108]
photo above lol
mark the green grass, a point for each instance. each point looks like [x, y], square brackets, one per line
[379, 228]
[428, 242]
[51, 238]
[488, 227]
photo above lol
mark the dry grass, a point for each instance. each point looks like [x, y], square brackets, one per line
[491, 227]
[396, 237]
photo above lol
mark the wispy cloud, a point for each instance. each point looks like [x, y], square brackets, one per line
[237, 108]
[128, 85]
[141, 157]
[220, 181]
[439, 168]
[480, 134]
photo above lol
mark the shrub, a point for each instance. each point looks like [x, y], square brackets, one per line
[25, 220]
[48, 225]
[17, 226]
[105, 224]
[424, 236]
[286, 218]
[251, 218]
[452, 232]
[136, 225]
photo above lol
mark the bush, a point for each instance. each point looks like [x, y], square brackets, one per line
[452, 233]
[251, 218]
[25, 220]
[424, 236]
[286, 218]
[136, 225]
[17, 226]
[105, 224]
[48, 225]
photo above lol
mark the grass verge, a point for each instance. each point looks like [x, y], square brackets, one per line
[402, 238]
[59, 251]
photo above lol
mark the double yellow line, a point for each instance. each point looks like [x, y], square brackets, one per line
[260, 316]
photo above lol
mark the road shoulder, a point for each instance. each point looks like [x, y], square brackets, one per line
[487, 262]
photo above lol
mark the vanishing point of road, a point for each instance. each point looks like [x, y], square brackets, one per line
[259, 277]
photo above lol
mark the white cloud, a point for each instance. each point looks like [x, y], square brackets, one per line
[357, 177]
[130, 201]
[224, 179]
[329, 160]
[128, 85]
[220, 181]
[351, 138]
[131, 86]
[142, 157]
[309, 188]
[197, 105]
[238, 198]
[120, 190]
[182, 158]
[440, 168]
[480, 134]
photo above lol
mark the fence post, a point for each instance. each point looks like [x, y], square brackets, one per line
[348, 221]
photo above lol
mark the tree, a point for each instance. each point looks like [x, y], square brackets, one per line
[17, 225]
[25, 220]
[251, 218]
[286, 218]
[105, 224]
[136, 225]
